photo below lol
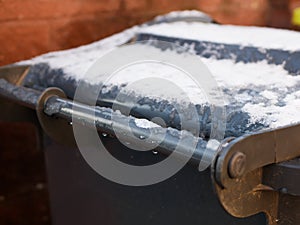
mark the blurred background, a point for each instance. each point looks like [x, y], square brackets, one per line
[31, 27]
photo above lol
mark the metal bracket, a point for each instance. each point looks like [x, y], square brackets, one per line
[284, 177]
[239, 168]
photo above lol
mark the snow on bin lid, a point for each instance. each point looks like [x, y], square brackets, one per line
[268, 93]
[261, 37]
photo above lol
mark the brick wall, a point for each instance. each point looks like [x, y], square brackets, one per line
[32, 27]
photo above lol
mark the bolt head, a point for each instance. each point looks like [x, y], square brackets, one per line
[237, 165]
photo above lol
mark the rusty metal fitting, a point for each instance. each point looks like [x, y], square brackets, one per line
[237, 165]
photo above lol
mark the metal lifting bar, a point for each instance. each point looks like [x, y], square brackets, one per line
[107, 121]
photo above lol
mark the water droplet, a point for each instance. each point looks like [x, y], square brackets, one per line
[155, 152]
[284, 190]
[104, 134]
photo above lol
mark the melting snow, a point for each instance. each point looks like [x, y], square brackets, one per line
[269, 38]
[143, 123]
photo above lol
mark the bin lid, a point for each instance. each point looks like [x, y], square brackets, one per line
[256, 68]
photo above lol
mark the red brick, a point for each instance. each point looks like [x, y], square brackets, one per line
[136, 5]
[242, 12]
[95, 6]
[209, 6]
[139, 18]
[294, 4]
[280, 15]
[68, 33]
[48, 9]
[164, 6]
[21, 40]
